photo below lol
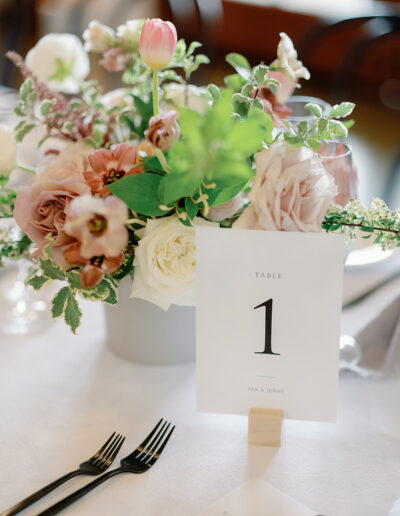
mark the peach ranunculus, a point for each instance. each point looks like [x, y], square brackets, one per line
[110, 165]
[40, 209]
[98, 227]
[291, 191]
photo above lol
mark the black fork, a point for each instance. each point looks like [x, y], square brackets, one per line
[96, 465]
[139, 461]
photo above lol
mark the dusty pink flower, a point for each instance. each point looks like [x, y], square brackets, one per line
[114, 59]
[94, 269]
[40, 209]
[109, 166]
[98, 224]
[163, 131]
[227, 209]
[291, 191]
[157, 43]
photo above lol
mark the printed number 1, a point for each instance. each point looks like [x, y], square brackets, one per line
[268, 328]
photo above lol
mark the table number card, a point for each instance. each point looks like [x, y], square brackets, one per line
[268, 321]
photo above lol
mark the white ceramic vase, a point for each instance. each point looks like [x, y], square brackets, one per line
[142, 332]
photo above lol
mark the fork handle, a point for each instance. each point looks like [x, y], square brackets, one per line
[39, 494]
[70, 499]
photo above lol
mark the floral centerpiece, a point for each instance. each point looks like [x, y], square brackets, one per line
[121, 180]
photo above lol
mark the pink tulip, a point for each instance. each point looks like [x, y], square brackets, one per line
[157, 43]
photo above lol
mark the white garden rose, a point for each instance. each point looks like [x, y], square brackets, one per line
[129, 33]
[193, 97]
[287, 58]
[98, 37]
[165, 262]
[60, 61]
[8, 151]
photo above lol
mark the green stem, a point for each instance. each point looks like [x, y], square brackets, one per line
[26, 169]
[156, 107]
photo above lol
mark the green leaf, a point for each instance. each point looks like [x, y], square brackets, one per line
[140, 193]
[260, 72]
[337, 129]
[234, 82]
[240, 64]
[74, 280]
[297, 141]
[23, 132]
[152, 164]
[303, 127]
[37, 282]
[59, 301]
[214, 91]
[247, 89]
[191, 208]
[51, 270]
[245, 137]
[178, 184]
[112, 298]
[227, 193]
[25, 89]
[46, 107]
[314, 108]
[72, 312]
[192, 47]
[341, 110]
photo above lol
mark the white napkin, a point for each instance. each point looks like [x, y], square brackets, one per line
[257, 498]
[375, 324]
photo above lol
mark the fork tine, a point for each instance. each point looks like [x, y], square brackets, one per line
[156, 456]
[114, 450]
[144, 443]
[150, 444]
[99, 452]
[106, 451]
[151, 448]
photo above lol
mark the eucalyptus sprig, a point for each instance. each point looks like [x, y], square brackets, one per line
[322, 128]
[376, 221]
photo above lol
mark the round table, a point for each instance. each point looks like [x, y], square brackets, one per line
[63, 395]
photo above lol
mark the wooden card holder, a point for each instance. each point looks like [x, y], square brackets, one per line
[265, 426]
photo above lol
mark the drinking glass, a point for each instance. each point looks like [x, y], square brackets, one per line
[23, 310]
[299, 113]
[338, 161]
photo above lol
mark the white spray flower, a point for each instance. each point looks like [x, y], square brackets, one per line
[98, 37]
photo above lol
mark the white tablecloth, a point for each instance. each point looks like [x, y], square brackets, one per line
[61, 396]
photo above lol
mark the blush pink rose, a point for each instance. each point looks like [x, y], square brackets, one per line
[291, 191]
[227, 209]
[40, 209]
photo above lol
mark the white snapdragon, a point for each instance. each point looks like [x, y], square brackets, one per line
[60, 61]
[98, 37]
[287, 59]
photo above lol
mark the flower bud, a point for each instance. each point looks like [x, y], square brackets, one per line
[163, 131]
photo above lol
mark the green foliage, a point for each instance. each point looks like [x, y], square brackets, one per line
[184, 58]
[211, 160]
[12, 249]
[140, 193]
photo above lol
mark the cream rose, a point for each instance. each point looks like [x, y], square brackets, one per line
[165, 262]
[291, 191]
